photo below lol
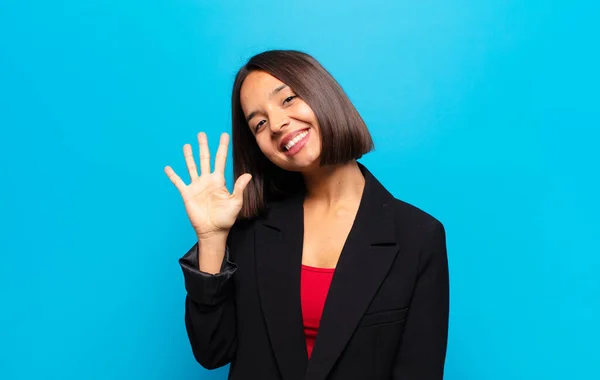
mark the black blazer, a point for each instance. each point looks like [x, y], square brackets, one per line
[386, 314]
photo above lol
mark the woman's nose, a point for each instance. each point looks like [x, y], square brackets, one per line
[279, 123]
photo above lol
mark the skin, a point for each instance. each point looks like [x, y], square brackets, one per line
[275, 111]
[333, 192]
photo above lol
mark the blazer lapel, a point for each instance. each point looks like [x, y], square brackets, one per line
[366, 258]
[278, 248]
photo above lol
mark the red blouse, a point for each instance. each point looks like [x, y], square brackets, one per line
[313, 292]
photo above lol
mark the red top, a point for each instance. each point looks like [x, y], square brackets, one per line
[313, 292]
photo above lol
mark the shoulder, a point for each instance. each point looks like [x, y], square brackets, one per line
[407, 213]
[420, 232]
[239, 234]
[240, 228]
[412, 221]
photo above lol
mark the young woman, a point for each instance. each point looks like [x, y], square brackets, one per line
[310, 269]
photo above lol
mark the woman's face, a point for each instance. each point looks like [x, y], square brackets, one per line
[285, 127]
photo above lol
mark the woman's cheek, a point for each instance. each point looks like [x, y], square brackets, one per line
[305, 113]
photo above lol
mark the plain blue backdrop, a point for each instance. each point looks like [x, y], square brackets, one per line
[484, 113]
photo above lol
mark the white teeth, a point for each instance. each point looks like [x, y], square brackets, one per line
[293, 142]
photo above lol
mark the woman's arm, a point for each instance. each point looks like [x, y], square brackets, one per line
[423, 349]
[210, 307]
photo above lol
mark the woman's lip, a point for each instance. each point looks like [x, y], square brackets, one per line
[298, 146]
[289, 137]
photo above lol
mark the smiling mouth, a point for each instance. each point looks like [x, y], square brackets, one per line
[295, 140]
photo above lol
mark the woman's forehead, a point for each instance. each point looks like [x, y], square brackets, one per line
[258, 87]
[260, 81]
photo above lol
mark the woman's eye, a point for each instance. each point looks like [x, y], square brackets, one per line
[259, 125]
[289, 98]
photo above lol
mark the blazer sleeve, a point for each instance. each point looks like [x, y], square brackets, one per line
[210, 310]
[423, 348]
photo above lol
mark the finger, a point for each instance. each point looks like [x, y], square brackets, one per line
[240, 185]
[221, 156]
[204, 153]
[179, 184]
[190, 162]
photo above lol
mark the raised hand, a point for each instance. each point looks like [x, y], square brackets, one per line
[212, 210]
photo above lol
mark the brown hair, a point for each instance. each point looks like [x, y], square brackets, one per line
[344, 135]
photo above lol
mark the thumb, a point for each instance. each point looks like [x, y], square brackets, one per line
[240, 185]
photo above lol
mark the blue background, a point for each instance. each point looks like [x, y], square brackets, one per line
[484, 113]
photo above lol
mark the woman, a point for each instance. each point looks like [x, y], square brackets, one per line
[310, 268]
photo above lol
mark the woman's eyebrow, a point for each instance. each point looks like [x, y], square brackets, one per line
[278, 88]
[252, 114]
[275, 91]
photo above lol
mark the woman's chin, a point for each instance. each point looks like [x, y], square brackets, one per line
[305, 166]
[302, 162]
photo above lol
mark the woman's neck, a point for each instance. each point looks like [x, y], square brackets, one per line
[328, 185]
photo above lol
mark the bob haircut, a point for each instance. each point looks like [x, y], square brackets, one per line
[344, 134]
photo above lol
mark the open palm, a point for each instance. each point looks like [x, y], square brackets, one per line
[209, 205]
